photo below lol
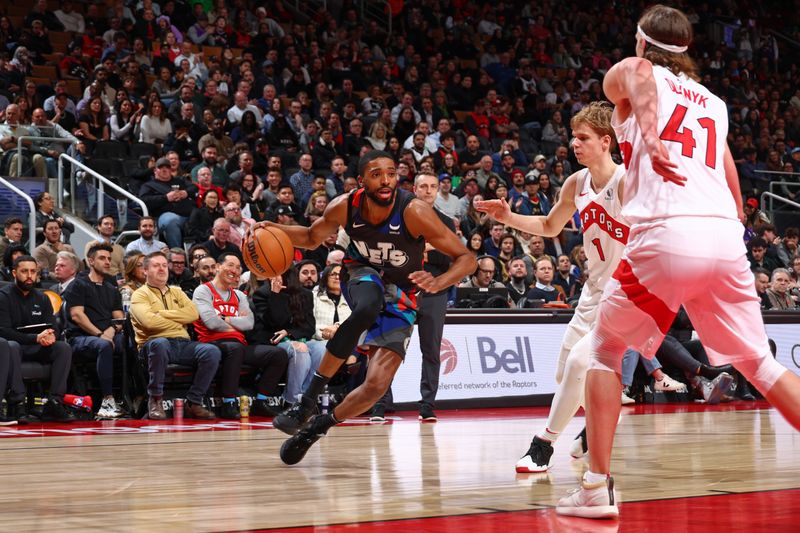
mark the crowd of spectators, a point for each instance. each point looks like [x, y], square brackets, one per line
[240, 111]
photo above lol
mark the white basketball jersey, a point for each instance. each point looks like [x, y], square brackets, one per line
[693, 126]
[605, 230]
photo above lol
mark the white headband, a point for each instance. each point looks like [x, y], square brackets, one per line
[668, 47]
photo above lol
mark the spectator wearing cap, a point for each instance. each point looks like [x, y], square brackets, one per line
[753, 215]
[517, 187]
[539, 165]
[531, 202]
[170, 201]
[507, 163]
[447, 202]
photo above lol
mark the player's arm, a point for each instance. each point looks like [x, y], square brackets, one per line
[630, 85]
[732, 177]
[422, 221]
[546, 226]
[312, 236]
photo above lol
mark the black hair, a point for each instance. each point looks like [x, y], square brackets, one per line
[93, 249]
[23, 259]
[369, 157]
[10, 251]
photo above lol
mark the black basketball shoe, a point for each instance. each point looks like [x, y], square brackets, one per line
[292, 418]
[580, 446]
[296, 447]
[537, 458]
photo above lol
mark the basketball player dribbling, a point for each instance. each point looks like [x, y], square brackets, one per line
[681, 183]
[596, 193]
[388, 228]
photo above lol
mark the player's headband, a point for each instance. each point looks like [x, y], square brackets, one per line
[668, 47]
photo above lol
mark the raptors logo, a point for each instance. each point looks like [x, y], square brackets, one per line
[448, 356]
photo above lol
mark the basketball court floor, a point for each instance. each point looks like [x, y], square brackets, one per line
[680, 467]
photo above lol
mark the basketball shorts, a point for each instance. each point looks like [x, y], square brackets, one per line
[395, 323]
[697, 262]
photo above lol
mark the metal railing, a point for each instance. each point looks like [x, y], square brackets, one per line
[102, 183]
[378, 10]
[36, 138]
[31, 216]
[772, 196]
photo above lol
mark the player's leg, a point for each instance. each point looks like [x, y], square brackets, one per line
[631, 314]
[728, 320]
[573, 362]
[367, 299]
[381, 370]
[568, 398]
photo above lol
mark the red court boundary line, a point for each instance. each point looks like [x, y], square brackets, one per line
[140, 427]
[773, 510]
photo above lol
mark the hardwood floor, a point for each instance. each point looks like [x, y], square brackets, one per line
[233, 480]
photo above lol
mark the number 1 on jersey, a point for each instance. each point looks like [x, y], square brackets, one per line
[672, 132]
[596, 242]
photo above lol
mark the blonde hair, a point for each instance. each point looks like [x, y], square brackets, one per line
[669, 26]
[597, 116]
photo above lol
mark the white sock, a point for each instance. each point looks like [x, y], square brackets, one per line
[591, 477]
[548, 435]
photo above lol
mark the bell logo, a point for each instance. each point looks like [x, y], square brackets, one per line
[448, 356]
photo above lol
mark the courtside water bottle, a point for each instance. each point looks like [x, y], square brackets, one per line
[126, 299]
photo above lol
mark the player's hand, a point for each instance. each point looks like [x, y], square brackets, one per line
[659, 157]
[497, 209]
[425, 281]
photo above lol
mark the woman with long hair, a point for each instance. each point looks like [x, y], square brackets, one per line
[252, 188]
[134, 271]
[124, 121]
[557, 176]
[473, 219]
[317, 203]
[284, 316]
[201, 220]
[93, 123]
[490, 190]
[393, 147]
[163, 86]
[475, 242]
[406, 123]
[155, 127]
[247, 130]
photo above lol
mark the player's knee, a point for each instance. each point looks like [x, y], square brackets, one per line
[376, 386]
[365, 314]
[762, 372]
[576, 366]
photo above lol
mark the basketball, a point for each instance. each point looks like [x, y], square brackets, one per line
[268, 252]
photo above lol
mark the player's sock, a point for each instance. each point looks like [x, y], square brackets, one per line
[548, 435]
[316, 387]
[591, 477]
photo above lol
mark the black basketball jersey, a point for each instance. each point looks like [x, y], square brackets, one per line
[387, 247]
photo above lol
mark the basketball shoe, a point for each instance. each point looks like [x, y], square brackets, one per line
[292, 418]
[296, 447]
[537, 458]
[592, 500]
[580, 446]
